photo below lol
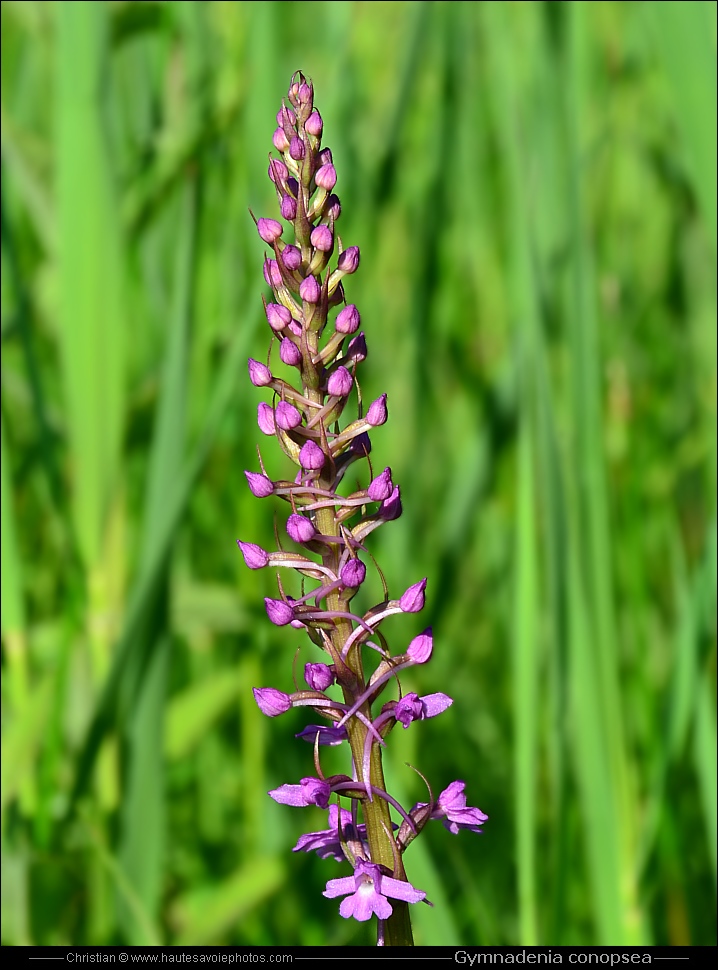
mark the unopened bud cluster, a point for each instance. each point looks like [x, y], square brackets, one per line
[318, 360]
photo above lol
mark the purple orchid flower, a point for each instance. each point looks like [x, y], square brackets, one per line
[313, 411]
[367, 892]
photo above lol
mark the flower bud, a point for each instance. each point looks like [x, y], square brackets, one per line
[259, 374]
[272, 273]
[286, 117]
[271, 702]
[326, 177]
[304, 95]
[269, 230]
[289, 208]
[280, 140]
[259, 485]
[265, 419]
[377, 413]
[421, 647]
[289, 353]
[322, 239]
[314, 124]
[349, 260]
[333, 207]
[309, 290]
[254, 556]
[325, 156]
[318, 676]
[412, 601]
[278, 611]
[361, 445]
[353, 573]
[390, 509]
[356, 350]
[381, 487]
[287, 416]
[292, 258]
[278, 316]
[311, 456]
[277, 171]
[300, 528]
[297, 149]
[340, 382]
[348, 320]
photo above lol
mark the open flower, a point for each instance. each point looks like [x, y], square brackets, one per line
[369, 888]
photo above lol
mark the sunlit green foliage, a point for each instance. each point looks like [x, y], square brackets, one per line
[532, 186]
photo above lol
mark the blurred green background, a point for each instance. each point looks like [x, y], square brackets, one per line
[532, 186]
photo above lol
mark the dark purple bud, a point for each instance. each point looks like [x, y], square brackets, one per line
[289, 208]
[391, 509]
[356, 350]
[361, 445]
[265, 419]
[272, 273]
[311, 456]
[289, 353]
[318, 676]
[412, 601]
[259, 485]
[293, 186]
[287, 416]
[330, 736]
[314, 124]
[349, 260]
[292, 258]
[333, 208]
[254, 556]
[278, 316]
[277, 171]
[421, 647]
[348, 320]
[322, 239]
[279, 612]
[377, 413]
[297, 149]
[353, 573]
[340, 382]
[325, 156]
[326, 177]
[381, 487]
[280, 140]
[309, 290]
[259, 374]
[271, 702]
[300, 528]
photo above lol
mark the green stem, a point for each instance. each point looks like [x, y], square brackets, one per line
[383, 850]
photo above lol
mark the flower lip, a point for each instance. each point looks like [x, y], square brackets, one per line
[367, 892]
